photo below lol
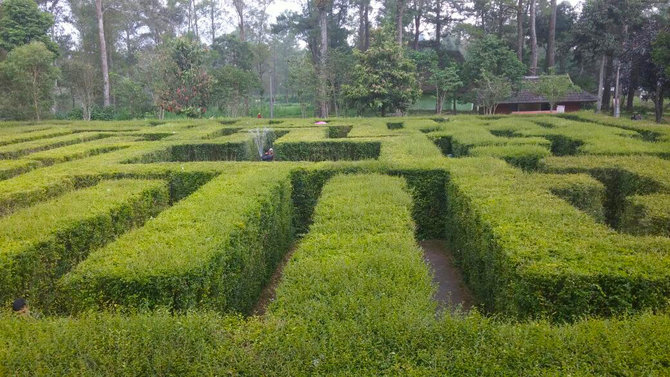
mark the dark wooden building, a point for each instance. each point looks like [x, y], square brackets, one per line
[526, 101]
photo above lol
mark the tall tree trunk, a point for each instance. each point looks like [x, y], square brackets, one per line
[551, 44]
[438, 23]
[632, 83]
[323, 59]
[417, 25]
[239, 8]
[400, 12]
[601, 83]
[519, 30]
[533, 40]
[103, 53]
[658, 101]
[607, 90]
[363, 25]
[212, 16]
[195, 20]
[617, 90]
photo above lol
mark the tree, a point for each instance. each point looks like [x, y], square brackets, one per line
[30, 75]
[661, 51]
[302, 81]
[520, 10]
[322, 97]
[399, 20]
[232, 87]
[363, 24]
[551, 43]
[383, 79]
[553, 88]
[21, 22]
[187, 85]
[492, 89]
[490, 54]
[447, 82]
[99, 12]
[241, 10]
[82, 78]
[533, 39]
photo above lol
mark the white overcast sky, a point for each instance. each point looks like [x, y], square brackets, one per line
[279, 6]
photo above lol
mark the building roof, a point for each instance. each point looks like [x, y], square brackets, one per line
[526, 95]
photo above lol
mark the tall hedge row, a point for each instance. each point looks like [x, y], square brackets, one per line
[359, 262]
[214, 249]
[327, 150]
[43, 242]
[526, 254]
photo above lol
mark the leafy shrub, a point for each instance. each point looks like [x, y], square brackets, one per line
[45, 241]
[214, 249]
[528, 255]
[326, 150]
[647, 215]
[395, 125]
[336, 132]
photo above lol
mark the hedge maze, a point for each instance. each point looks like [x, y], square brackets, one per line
[144, 246]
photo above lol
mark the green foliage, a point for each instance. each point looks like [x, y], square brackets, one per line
[302, 81]
[187, 85]
[232, 87]
[326, 150]
[490, 55]
[30, 75]
[346, 260]
[661, 51]
[214, 249]
[554, 88]
[45, 241]
[383, 78]
[647, 215]
[491, 90]
[22, 22]
[534, 240]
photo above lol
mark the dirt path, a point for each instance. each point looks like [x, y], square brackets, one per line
[451, 291]
[268, 293]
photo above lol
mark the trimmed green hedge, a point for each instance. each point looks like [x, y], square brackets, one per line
[427, 188]
[41, 243]
[647, 215]
[580, 190]
[526, 157]
[214, 249]
[526, 254]
[359, 262]
[21, 149]
[208, 344]
[326, 150]
[337, 132]
[11, 168]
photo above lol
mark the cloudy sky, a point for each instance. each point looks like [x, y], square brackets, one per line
[279, 6]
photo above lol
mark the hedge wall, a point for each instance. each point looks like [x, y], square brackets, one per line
[326, 150]
[43, 242]
[214, 249]
[526, 254]
[647, 215]
[359, 262]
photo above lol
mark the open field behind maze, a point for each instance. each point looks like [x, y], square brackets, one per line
[145, 246]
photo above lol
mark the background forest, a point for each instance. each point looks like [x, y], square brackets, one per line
[106, 60]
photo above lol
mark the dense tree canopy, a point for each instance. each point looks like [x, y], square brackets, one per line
[119, 59]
